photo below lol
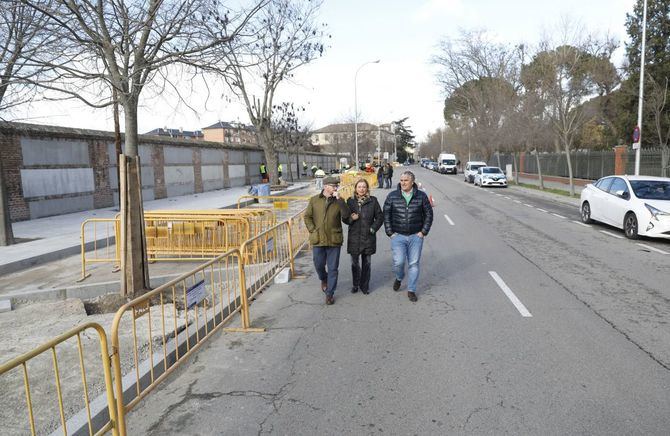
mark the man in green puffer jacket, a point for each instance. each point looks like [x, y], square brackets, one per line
[323, 219]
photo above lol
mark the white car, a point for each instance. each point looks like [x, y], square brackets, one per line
[471, 168]
[640, 205]
[490, 176]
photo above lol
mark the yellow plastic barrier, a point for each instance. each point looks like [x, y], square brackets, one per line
[40, 411]
[283, 206]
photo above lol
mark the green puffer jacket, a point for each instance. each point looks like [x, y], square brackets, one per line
[323, 219]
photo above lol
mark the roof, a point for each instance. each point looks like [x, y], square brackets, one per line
[176, 133]
[230, 125]
[345, 127]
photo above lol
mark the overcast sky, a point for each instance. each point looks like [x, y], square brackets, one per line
[402, 34]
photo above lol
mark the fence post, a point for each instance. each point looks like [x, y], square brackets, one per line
[244, 310]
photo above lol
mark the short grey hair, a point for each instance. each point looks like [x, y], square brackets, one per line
[408, 173]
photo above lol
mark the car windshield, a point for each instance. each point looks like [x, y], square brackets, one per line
[651, 189]
[492, 170]
[448, 162]
[476, 167]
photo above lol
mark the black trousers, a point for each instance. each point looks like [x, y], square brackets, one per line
[361, 274]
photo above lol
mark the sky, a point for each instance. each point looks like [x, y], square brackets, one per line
[402, 35]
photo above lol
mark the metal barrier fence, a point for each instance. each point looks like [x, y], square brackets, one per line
[154, 333]
[586, 164]
[41, 394]
[160, 329]
[283, 207]
[100, 250]
[177, 235]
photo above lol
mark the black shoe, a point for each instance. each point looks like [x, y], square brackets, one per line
[365, 291]
[412, 296]
[324, 285]
[396, 284]
[330, 300]
[354, 290]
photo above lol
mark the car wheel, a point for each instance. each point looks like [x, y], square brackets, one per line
[630, 226]
[586, 213]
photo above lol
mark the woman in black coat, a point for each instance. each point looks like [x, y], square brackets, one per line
[365, 220]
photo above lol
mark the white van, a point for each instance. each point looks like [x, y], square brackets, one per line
[447, 163]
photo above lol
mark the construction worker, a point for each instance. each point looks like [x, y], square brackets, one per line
[279, 168]
[264, 172]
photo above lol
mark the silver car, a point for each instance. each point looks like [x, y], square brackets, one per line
[471, 168]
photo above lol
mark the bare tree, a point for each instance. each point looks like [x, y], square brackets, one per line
[281, 38]
[22, 34]
[565, 75]
[125, 46]
[480, 82]
[658, 99]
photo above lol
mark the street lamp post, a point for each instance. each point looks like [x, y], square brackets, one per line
[356, 109]
[638, 145]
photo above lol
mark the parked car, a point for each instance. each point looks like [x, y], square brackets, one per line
[471, 168]
[423, 162]
[639, 205]
[490, 176]
[431, 165]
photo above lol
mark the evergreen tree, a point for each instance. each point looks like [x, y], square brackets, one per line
[404, 139]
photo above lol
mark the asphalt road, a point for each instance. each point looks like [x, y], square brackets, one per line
[528, 322]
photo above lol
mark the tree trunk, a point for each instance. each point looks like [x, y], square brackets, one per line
[516, 168]
[6, 233]
[265, 136]
[539, 169]
[566, 145]
[136, 270]
[665, 158]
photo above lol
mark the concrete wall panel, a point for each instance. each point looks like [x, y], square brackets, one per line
[210, 156]
[236, 157]
[147, 176]
[212, 172]
[43, 182]
[58, 206]
[236, 171]
[144, 152]
[54, 152]
[178, 155]
[179, 175]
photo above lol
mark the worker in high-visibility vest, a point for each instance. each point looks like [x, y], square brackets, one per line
[264, 171]
[279, 168]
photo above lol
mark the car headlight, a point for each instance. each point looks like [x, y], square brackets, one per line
[655, 213]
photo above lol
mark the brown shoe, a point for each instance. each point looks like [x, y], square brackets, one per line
[330, 300]
[396, 284]
[412, 296]
[324, 285]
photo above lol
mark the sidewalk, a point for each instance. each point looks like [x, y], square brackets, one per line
[53, 238]
[554, 182]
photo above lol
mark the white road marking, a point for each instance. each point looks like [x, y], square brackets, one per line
[611, 234]
[559, 216]
[649, 247]
[513, 298]
[449, 220]
[529, 205]
[582, 224]
[517, 201]
[506, 197]
[499, 195]
[541, 210]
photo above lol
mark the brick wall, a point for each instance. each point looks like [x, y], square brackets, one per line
[75, 169]
[12, 161]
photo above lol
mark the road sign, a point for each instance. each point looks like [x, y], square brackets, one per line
[636, 134]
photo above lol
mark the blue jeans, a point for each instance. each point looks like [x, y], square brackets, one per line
[407, 248]
[327, 257]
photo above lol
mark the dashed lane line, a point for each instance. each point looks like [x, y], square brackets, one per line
[559, 216]
[541, 210]
[528, 205]
[605, 232]
[649, 247]
[449, 220]
[581, 224]
[513, 298]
